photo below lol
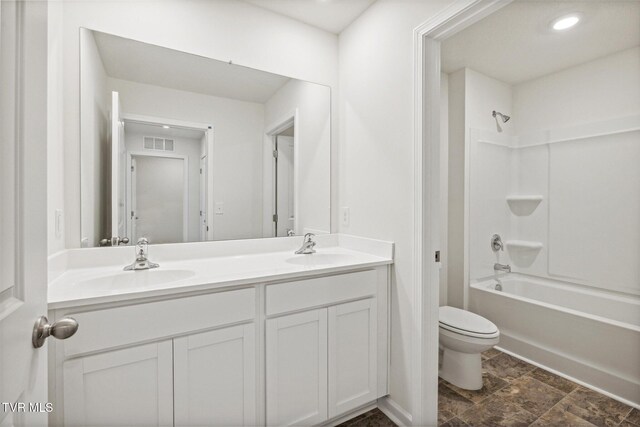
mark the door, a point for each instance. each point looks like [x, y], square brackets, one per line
[203, 199]
[126, 387]
[284, 185]
[296, 351]
[215, 378]
[23, 200]
[159, 198]
[353, 377]
[118, 169]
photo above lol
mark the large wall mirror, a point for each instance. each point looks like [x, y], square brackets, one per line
[176, 147]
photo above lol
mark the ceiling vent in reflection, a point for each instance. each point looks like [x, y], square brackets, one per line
[155, 143]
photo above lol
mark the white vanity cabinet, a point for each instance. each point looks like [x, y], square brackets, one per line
[299, 352]
[322, 362]
[132, 386]
[215, 377]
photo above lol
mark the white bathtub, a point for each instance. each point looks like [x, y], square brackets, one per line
[592, 336]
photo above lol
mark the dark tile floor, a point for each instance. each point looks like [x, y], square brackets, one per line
[516, 393]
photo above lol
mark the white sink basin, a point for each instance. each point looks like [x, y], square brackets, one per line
[319, 259]
[141, 278]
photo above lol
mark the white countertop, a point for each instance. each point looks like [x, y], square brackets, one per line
[81, 283]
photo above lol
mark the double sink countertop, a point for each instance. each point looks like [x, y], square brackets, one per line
[79, 277]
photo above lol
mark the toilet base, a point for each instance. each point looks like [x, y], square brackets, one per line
[463, 370]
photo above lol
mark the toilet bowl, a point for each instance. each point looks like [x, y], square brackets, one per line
[463, 336]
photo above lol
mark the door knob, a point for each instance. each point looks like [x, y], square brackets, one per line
[62, 329]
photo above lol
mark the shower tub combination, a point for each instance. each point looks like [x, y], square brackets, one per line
[588, 335]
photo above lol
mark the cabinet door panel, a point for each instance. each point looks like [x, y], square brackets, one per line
[296, 350]
[126, 387]
[215, 378]
[352, 355]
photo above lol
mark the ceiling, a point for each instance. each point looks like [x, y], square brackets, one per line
[145, 63]
[516, 43]
[329, 15]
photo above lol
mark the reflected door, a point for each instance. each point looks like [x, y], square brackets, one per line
[159, 198]
[284, 186]
[118, 169]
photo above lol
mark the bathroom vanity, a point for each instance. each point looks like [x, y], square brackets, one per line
[222, 333]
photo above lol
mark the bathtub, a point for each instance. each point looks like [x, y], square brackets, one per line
[588, 335]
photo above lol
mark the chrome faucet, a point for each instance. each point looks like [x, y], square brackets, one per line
[307, 245]
[141, 262]
[502, 267]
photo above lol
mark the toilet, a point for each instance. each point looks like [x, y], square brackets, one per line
[463, 336]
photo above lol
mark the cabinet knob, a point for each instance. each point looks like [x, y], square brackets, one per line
[62, 329]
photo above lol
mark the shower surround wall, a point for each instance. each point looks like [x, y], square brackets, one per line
[571, 151]
[561, 184]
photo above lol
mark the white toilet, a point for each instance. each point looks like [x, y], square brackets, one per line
[463, 336]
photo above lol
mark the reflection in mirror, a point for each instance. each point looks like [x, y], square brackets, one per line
[181, 148]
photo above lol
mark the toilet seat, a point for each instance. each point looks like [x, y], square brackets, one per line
[466, 323]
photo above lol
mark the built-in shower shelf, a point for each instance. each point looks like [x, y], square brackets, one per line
[524, 245]
[534, 198]
[522, 205]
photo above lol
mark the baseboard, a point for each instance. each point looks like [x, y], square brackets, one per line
[586, 376]
[394, 411]
[359, 411]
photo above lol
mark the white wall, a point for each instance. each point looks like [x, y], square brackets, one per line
[458, 157]
[479, 165]
[55, 136]
[566, 142]
[189, 147]
[237, 148]
[489, 160]
[95, 105]
[444, 185]
[589, 219]
[376, 154]
[220, 29]
[602, 89]
[313, 156]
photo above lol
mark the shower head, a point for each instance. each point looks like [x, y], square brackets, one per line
[504, 118]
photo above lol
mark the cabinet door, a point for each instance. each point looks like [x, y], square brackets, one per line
[126, 387]
[215, 378]
[296, 351]
[352, 355]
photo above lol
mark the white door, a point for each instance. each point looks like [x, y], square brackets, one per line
[118, 169]
[215, 378]
[159, 198]
[296, 351]
[352, 355]
[284, 185]
[23, 201]
[203, 198]
[130, 387]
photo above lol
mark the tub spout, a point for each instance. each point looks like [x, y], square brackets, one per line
[502, 267]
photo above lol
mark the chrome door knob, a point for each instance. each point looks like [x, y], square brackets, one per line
[62, 329]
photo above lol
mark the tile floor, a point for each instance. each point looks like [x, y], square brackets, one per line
[516, 393]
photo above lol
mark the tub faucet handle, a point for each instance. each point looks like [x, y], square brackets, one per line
[496, 243]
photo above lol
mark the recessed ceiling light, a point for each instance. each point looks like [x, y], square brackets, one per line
[165, 126]
[566, 22]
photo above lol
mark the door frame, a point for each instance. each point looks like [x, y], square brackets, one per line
[427, 38]
[131, 198]
[288, 120]
[209, 131]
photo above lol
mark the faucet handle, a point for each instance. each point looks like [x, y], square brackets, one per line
[308, 236]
